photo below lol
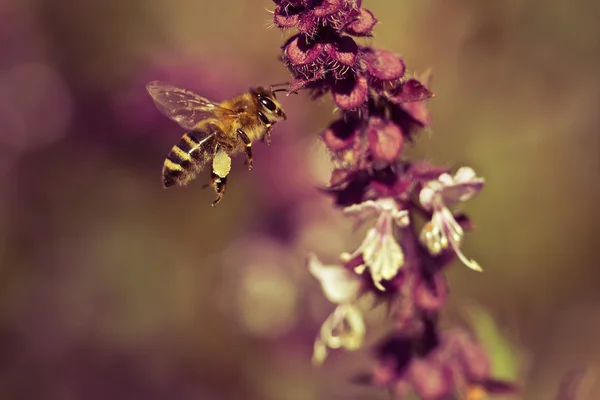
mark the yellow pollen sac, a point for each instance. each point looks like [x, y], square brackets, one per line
[222, 164]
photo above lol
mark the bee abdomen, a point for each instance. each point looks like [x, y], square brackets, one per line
[186, 159]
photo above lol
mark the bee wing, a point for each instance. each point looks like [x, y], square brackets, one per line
[183, 106]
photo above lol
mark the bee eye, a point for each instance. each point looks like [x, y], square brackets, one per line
[265, 101]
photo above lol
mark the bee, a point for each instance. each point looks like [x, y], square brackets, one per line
[215, 131]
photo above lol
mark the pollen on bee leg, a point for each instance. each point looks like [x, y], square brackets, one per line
[221, 164]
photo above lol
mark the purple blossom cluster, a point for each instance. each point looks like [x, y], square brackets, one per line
[416, 232]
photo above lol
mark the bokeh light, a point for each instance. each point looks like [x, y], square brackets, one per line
[35, 106]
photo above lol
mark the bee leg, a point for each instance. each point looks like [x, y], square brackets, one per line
[218, 185]
[248, 149]
[249, 156]
[267, 137]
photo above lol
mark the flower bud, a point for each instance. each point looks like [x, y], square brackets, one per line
[385, 139]
[363, 24]
[350, 93]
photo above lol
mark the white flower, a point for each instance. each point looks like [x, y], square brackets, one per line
[345, 327]
[380, 251]
[443, 231]
[339, 284]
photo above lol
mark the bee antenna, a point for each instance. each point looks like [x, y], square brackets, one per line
[274, 89]
[278, 85]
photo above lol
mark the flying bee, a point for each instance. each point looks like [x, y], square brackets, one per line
[215, 131]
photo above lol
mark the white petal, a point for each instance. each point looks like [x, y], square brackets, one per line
[446, 179]
[363, 211]
[472, 264]
[426, 197]
[466, 185]
[344, 328]
[464, 174]
[429, 193]
[357, 329]
[339, 284]
[369, 242]
[319, 352]
[387, 204]
[368, 209]
[388, 260]
[384, 257]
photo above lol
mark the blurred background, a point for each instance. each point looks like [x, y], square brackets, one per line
[112, 287]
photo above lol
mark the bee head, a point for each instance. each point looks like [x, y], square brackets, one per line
[269, 109]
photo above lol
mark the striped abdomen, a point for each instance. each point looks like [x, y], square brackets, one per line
[188, 157]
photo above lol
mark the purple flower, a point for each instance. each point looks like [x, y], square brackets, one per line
[412, 115]
[381, 109]
[385, 139]
[323, 58]
[350, 93]
[341, 134]
[430, 292]
[303, 57]
[443, 231]
[409, 91]
[363, 24]
[435, 366]
[382, 67]
[338, 15]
